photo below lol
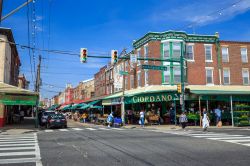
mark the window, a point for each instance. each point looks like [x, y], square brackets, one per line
[243, 52]
[226, 76]
[139, 79]
[177, 74]
[146, 77]
[138, 56]
[146, 53]
[190, 52]
[126, 82]
[166, 53]
[131, 81]
[176, 50]
[245, 76]
[167, 76]
[208, 53]
[225, 57]
[209, 76]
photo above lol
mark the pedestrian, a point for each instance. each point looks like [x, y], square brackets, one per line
[183, 120]
[21, 115]
[142, 118]
[217, 112]
[205, 120]
[110, 119]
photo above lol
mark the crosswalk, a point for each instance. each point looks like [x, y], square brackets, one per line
[82, 129]
[224, 137]
[21, 148]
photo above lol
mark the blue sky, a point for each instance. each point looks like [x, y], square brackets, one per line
[113, 24]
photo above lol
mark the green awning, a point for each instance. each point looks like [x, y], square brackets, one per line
[66, 107]
[53, 107]
[91, 104]
[78, 105]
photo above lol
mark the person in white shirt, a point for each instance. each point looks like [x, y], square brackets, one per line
[142, 117]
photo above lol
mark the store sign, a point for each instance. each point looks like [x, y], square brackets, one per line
[160, 97]
[116, 101]
[18, 100]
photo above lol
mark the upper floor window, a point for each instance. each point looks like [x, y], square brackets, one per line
[209, 76]
[177, 74]
[146, 77]
[245, 76]
[166, 52]
[225, 57]
[189, 52]
[138, 56]
[208, 53]
[167, 76]
[126, 83]
[244, 57]
[139, 79]
[131, 81]
[145, 53]
[226, 76]
[176, 50]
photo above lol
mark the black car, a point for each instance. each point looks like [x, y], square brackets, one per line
[56, 120]
[44, 117]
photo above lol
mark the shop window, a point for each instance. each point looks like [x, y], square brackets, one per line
[209, 76]
[166, 52]
[208, 53]
[177, 74]
[245, 76]
[226, 76]
[190, 52]
[146, 77]
[244, 57]
[176, 50]
[225, 57]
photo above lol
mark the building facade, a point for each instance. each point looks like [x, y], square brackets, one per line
[22, 82]
[100, 82]
[84, 91]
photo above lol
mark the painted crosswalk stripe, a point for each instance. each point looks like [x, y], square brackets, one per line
[18, 160]
[18, 148]
[217, 136]
[19, 144]
[246, 144]
[63, 129]
[228, 138]
[48, 130]
[16, 139]
[90, 129]
[117, 129]
[238, 140]
[104, 129]
[78, 129]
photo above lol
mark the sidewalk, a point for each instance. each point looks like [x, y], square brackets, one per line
[27, 126]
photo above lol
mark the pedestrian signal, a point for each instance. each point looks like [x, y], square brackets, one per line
[83, 55]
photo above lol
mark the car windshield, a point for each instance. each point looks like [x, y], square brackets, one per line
[61, 116]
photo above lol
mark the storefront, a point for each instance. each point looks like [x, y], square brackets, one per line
[13, 100]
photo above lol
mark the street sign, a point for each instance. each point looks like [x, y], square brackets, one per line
[123, 72]
[152, 67]
[133, 58]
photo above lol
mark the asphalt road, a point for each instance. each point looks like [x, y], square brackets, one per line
[97, 146]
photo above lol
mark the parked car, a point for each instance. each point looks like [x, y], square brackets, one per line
[45, 115]
[56, 120]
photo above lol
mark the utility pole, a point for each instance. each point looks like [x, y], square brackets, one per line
[182, 97]
[37, 87]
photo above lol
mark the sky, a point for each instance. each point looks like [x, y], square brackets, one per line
[100, 26]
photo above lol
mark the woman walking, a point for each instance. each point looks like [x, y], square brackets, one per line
[205, 120]
[183, 120]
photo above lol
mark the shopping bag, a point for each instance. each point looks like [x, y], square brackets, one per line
[140, 121]
[219, 124]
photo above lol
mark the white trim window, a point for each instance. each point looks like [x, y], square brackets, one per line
[209, 75]
[208, 53]
[138, 56]
[176, 50]
[190, 52]
[146, 53]
[245, 76]
[167, 75]
[244, 57]
[131, 81]
[139, 78]
[166, 50]
[146, 77]
[177, 74]
[224, 52]
[226, 76]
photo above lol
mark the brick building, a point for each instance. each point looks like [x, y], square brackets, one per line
[100, 82]
[84, 91]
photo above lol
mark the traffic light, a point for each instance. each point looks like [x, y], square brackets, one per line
[83, 55]
[114, 56]
[179, 88]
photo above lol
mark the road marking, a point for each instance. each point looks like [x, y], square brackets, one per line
[238, 140]
[63, 129]
[17, 153]
[78, 129]
[246, 144]
[17, 142]
[228, 138]
[117, 129]
[18, 148]
[16, 139]
[25, 144]
[104, 129]
[217, 136]
[19, 160]
[48, 130]
[90, 129]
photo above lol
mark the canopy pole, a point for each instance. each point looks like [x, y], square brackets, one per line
[200, 108]
[232, 113]
[207, 105]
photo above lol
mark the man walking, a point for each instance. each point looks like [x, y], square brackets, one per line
[183, 120]
[217, 112]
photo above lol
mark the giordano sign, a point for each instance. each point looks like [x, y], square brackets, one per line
[147, 98]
